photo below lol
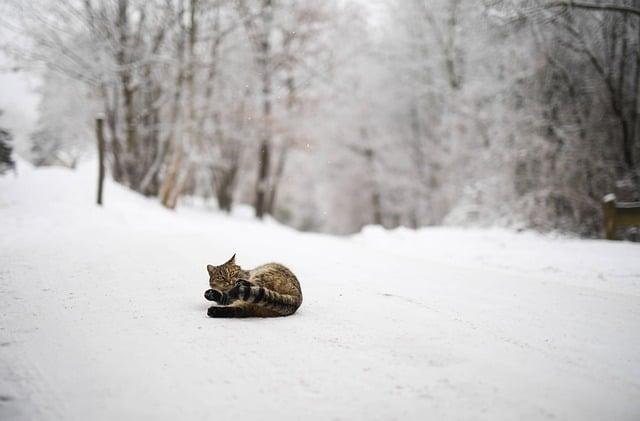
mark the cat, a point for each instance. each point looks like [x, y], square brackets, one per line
[269, 290]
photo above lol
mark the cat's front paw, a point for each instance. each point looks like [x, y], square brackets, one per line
[240, 286]
[213, 295]
[240, 289]
[243, 283]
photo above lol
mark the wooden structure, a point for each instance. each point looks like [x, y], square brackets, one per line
[100, 138]
[619, 214]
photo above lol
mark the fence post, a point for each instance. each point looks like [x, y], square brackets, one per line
[100, 137]
[609, 208]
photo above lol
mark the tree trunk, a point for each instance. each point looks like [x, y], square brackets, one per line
[127, 93]
[175, 178]
[376, 205]
[117, 170]
[277, 177]
[264, 153]
[286, 144]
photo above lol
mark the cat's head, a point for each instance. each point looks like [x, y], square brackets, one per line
[224, 276]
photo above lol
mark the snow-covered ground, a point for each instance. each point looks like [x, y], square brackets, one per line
[103, 318]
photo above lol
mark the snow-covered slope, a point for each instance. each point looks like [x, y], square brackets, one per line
[102, 318]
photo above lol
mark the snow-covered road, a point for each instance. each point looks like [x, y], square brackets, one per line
[102, 318]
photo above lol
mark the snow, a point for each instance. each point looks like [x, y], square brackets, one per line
[102, 317]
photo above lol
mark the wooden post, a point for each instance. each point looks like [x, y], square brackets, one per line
[609, 208]
[100, 137]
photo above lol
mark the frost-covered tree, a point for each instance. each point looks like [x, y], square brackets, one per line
[583, 98]
[65, 132]
[6, 160]
[337, 114]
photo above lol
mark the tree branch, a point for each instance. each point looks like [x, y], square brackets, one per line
[606, 7]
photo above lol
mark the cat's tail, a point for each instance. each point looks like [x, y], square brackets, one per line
[283, 304]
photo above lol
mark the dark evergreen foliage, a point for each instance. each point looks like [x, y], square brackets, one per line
[6, 161]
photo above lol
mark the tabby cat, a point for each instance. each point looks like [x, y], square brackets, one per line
[269, 290]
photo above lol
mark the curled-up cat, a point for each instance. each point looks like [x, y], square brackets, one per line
[269, 290]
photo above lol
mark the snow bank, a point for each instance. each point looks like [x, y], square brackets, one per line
[103, 317]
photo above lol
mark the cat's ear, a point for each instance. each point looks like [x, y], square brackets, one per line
[231, 261]
[210, 269]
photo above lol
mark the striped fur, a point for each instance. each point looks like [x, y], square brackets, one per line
[270, 290]
[281, 303]
[219, 312]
